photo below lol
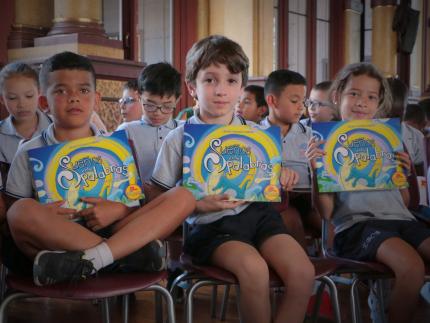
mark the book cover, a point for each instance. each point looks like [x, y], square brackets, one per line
[88, 167]
[241, 161]
[360, 155]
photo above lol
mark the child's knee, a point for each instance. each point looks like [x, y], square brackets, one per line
[185, 196]
[301, 273]
[21, 213]
[253, 270]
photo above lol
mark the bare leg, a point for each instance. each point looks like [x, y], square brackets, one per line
[293, 222]
[251, 270]
[408, 268]
[296, 271]
[155, 220]
[424, 250]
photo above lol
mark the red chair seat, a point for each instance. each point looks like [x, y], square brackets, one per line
[101, 286]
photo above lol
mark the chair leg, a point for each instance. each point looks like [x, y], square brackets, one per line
[8, 300]
[380, 292]
[238, 303]
[3, 286]
[214, 300]
[169, 301]
[158, 308]
[317, 304]
[334, 297]
[224, 303]
[125, 307]
[354, 301]
[105, 310]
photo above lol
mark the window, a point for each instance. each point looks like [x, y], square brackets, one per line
[297, 33]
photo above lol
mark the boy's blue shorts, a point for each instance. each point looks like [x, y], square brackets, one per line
[253, 225]
[362, 240]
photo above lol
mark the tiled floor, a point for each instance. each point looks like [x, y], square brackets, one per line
[142, 310]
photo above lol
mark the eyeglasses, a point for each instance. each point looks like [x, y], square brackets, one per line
[310, 104]
[151, 107]
[127, 100]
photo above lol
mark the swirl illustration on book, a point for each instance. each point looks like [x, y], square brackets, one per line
[360, 155]
[89, 167]
[241, 161]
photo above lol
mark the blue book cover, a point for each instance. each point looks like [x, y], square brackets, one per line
[88, 167]
[241, 161]
[360, 155]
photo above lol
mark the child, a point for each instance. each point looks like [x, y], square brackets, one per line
[68, 89]
[242, 238]
[285, 94]
[320, 109]
[19, 86]
[2, 203]
[252, 105]
[129, 104]
[415, 117]
[160, 88]
[375, 225]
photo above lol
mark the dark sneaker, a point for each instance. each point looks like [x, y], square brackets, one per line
[52, 267]
[151, 257]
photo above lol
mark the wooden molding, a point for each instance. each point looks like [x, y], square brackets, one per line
[283, 34]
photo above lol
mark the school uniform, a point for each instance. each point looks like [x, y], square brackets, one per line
[249, 223]
[147, 140]
[10, 139]
[414, 142]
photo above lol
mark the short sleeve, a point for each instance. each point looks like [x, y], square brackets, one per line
[19, 181]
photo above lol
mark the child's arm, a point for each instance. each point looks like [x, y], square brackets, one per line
[324, 202]
[215, 203]
[405, 162]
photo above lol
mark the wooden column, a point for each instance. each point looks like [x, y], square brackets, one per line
[32, 19]
[384, 41]
[426, 49]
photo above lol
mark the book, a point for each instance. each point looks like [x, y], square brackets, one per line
[241, 161]
[360, 155]
[100, 166]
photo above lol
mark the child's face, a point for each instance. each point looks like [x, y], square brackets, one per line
[248, 108]
[217, 91]
[158, 109]
[320, 109]
[360, 98]
[130, 106]
[288, 107]
[20, 96]
[71, 98]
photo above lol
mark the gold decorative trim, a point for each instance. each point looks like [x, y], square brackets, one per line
[85, 20]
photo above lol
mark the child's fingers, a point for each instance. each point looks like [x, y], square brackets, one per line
[92, 200]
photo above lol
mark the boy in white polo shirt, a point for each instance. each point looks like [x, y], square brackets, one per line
[160, 88]
[240, 237]
[285, 92]
[64, 250]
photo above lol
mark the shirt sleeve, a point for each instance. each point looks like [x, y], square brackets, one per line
[168, 167]
[19, 181]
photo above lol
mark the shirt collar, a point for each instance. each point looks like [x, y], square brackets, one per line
[195, 119]
[7, 127]
[171, 124]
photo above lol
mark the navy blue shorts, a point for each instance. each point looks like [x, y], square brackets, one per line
[362, 240]
[253, 225]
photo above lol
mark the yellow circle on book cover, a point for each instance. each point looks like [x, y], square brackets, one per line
[133, 192]
[271, 192]
[399, 179]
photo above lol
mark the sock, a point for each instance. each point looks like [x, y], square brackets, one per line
[100, 255]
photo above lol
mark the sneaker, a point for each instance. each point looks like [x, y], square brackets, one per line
[151, 257]
[52, 267]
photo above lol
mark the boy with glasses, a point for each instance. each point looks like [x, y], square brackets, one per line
[320, 109]
[160, 88]
[131, 108]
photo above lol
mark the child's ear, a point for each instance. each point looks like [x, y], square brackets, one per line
[335, 97]
[43, 103]
[191, 89]
[262, 111]
[271, 100]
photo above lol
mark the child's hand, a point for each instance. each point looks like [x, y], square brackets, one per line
[56, 208]
[102, 213]
[313, 151]
[288, 178]
[214, 203]
[404, 161]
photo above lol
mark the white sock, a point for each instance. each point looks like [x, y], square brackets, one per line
[100, 255]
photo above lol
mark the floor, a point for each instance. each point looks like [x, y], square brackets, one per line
[142, 310]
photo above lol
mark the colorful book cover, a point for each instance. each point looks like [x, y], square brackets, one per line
[360, 155]
[241, 161]
[89, 167]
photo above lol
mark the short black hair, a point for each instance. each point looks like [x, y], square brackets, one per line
[160, 79]
[258, 92]
[131, 85]
[322, 86]
[399, 94]
[64, 61]
[414, 113]
[279, 79]
[425, 105]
